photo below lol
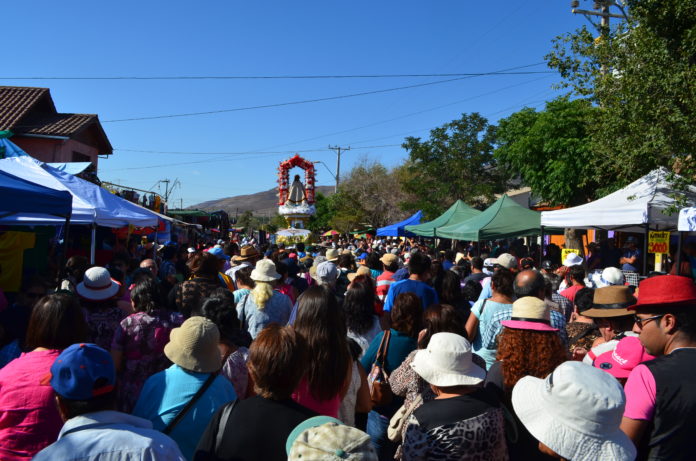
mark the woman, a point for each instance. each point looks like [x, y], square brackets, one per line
[483, 313]
[193, 348]
[263, 305]
[243, 282]
[220, 310]
[204, 278]
[451, 293]
[358, 305]
[322, 325]
[284, 284]
[527, 346]
[582, 331]
[258, 427]
[464, 421]
[406, 316]
[98, 293]
[29, 418]
[139, 340]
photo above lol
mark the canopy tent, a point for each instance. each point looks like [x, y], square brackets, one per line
[687, 220]
[457, 213]
[91, 204]
[73, 168]
[8, 148]
[505, 218]
[397, 229]
[293, 232]
[22, 196]
[637, 206]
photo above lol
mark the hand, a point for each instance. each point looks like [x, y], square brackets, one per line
[421, 335]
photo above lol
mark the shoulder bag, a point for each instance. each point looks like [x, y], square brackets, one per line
[380, 391]
[179, 416]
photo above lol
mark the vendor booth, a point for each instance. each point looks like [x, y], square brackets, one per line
[457, 213]
[398, 229]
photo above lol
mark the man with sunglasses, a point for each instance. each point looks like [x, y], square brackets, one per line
[660, 415]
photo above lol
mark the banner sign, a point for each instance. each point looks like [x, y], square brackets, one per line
[658, 242]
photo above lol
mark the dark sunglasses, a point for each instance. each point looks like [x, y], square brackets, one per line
[641, 322]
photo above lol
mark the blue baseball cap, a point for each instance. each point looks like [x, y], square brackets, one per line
[82, 372]
[219, 253]
[362, 256]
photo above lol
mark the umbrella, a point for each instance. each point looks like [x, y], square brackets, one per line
[330, 233]
[292, 232]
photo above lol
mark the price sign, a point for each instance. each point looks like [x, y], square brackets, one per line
[658, 242]
[566, 251]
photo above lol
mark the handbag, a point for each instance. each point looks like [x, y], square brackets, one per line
[400, 419]
[378, 380]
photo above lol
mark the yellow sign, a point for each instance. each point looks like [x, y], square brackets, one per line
[658, 242]
[566, 251]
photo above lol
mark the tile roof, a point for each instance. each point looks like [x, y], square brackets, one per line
[16, 102]
[58, 124]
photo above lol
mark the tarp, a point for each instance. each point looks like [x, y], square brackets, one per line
[505, 218]
[397, 229]
[457, 213]
[73, 168]
[22, 196]
[629, 209]
[9, 149]
[91, 203]
[687, 220]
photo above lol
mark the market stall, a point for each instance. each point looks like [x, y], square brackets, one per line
[457, 213]
[398, 229]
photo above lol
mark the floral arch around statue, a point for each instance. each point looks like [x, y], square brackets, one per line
[296, 200]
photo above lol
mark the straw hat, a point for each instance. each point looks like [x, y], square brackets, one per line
[611, 301]
[388, 259]
[246, 253]
[447, 362]
[530, 313]
[572, 259]
[97, 285]
[194, 346]
[265, 271]
[576, 411]
[332, 255]
[362, 270]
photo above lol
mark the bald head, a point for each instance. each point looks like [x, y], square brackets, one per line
[150, 265]
[529, 283]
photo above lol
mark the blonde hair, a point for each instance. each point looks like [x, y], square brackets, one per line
[261, 293]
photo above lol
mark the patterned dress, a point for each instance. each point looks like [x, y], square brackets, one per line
[235, 369]
[102, 323]
[141, 338]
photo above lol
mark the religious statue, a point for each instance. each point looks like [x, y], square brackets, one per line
[297, 192]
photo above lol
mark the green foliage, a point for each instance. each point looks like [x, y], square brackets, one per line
[456, 162]
[247, 221]
[550, 150]
[326, 210]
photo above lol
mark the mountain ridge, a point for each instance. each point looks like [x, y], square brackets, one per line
[264, 203]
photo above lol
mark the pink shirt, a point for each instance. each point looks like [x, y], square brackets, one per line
[29, 418]
[303, 396]
[640, 392]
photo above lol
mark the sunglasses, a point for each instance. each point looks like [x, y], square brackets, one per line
[641, 322]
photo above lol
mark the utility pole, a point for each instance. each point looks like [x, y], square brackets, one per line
[601, 8]
[338, 150]
[167, 189]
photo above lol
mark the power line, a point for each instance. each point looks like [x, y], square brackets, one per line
[240, 153]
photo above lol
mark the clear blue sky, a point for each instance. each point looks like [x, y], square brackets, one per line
[224, 38]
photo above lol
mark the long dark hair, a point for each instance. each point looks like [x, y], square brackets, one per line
[56, 322]
[147, 296]
[322, 324]
[358, 306]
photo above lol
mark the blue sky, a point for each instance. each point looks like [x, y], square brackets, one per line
[232, 153]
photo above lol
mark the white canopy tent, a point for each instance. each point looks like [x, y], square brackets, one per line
[687, 220]
[634, 208]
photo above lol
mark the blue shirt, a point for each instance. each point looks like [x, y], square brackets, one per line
[628, 253]
[400, 346]
[110, 436]
[277, 310]
[425, 292]
[167, 392]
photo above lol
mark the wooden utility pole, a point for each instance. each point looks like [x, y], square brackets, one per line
[338, 150]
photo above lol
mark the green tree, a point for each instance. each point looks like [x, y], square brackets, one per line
[326, 210]
[456, 162]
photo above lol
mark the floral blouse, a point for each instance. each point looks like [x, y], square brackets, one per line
[235, 369]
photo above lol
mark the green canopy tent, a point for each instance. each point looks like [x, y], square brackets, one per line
[503, 219]
[457, 213]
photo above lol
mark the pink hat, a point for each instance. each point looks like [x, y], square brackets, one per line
[628, 354]
[530, 313]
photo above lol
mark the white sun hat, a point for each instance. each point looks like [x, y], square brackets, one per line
[572, 259]
[447, 362]
[576, 411]
[608, 277]
[97, 285]
[265, 271]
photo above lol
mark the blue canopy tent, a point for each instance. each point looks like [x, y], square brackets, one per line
[397, 229]
[22, 196]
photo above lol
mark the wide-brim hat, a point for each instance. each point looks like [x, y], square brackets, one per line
[362, 270]
[388, 259]
[530, 313]
[97, 285]
[572, 259]
[332, 255]
[665, 291]
[447, 362]
[324, 438]
[194, 346]
[608, 277]
[559, 424]
[611, 301]
[265, 271]
[246, 253]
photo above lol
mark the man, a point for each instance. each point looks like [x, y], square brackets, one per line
[390, 264]
[225, 280]
[631, 258]
[505, 262]
[83, 378]
[247, 257]
[660, 414]
[576, 275]
[448, 260]
[612, 317]
[477, 273]
[419, 274]
[150, 265]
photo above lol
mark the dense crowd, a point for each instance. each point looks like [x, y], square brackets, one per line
[351, 349]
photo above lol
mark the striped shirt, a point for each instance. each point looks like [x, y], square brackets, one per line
[383, 283]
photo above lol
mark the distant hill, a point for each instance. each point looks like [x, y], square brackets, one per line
[261, 203]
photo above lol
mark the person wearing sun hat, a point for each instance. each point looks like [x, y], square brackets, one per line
[97, 293]
[628, 354]
[263, 305]
[326, 438]
[83, 378]
[574, 413]
[193, 349]
[464, 421]
[660, 414]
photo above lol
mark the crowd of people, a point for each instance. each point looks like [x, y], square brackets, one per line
[351, 349]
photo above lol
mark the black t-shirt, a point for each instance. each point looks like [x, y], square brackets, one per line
[257, 430]
[475, 277]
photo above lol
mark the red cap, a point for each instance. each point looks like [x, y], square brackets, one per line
[666, 291]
